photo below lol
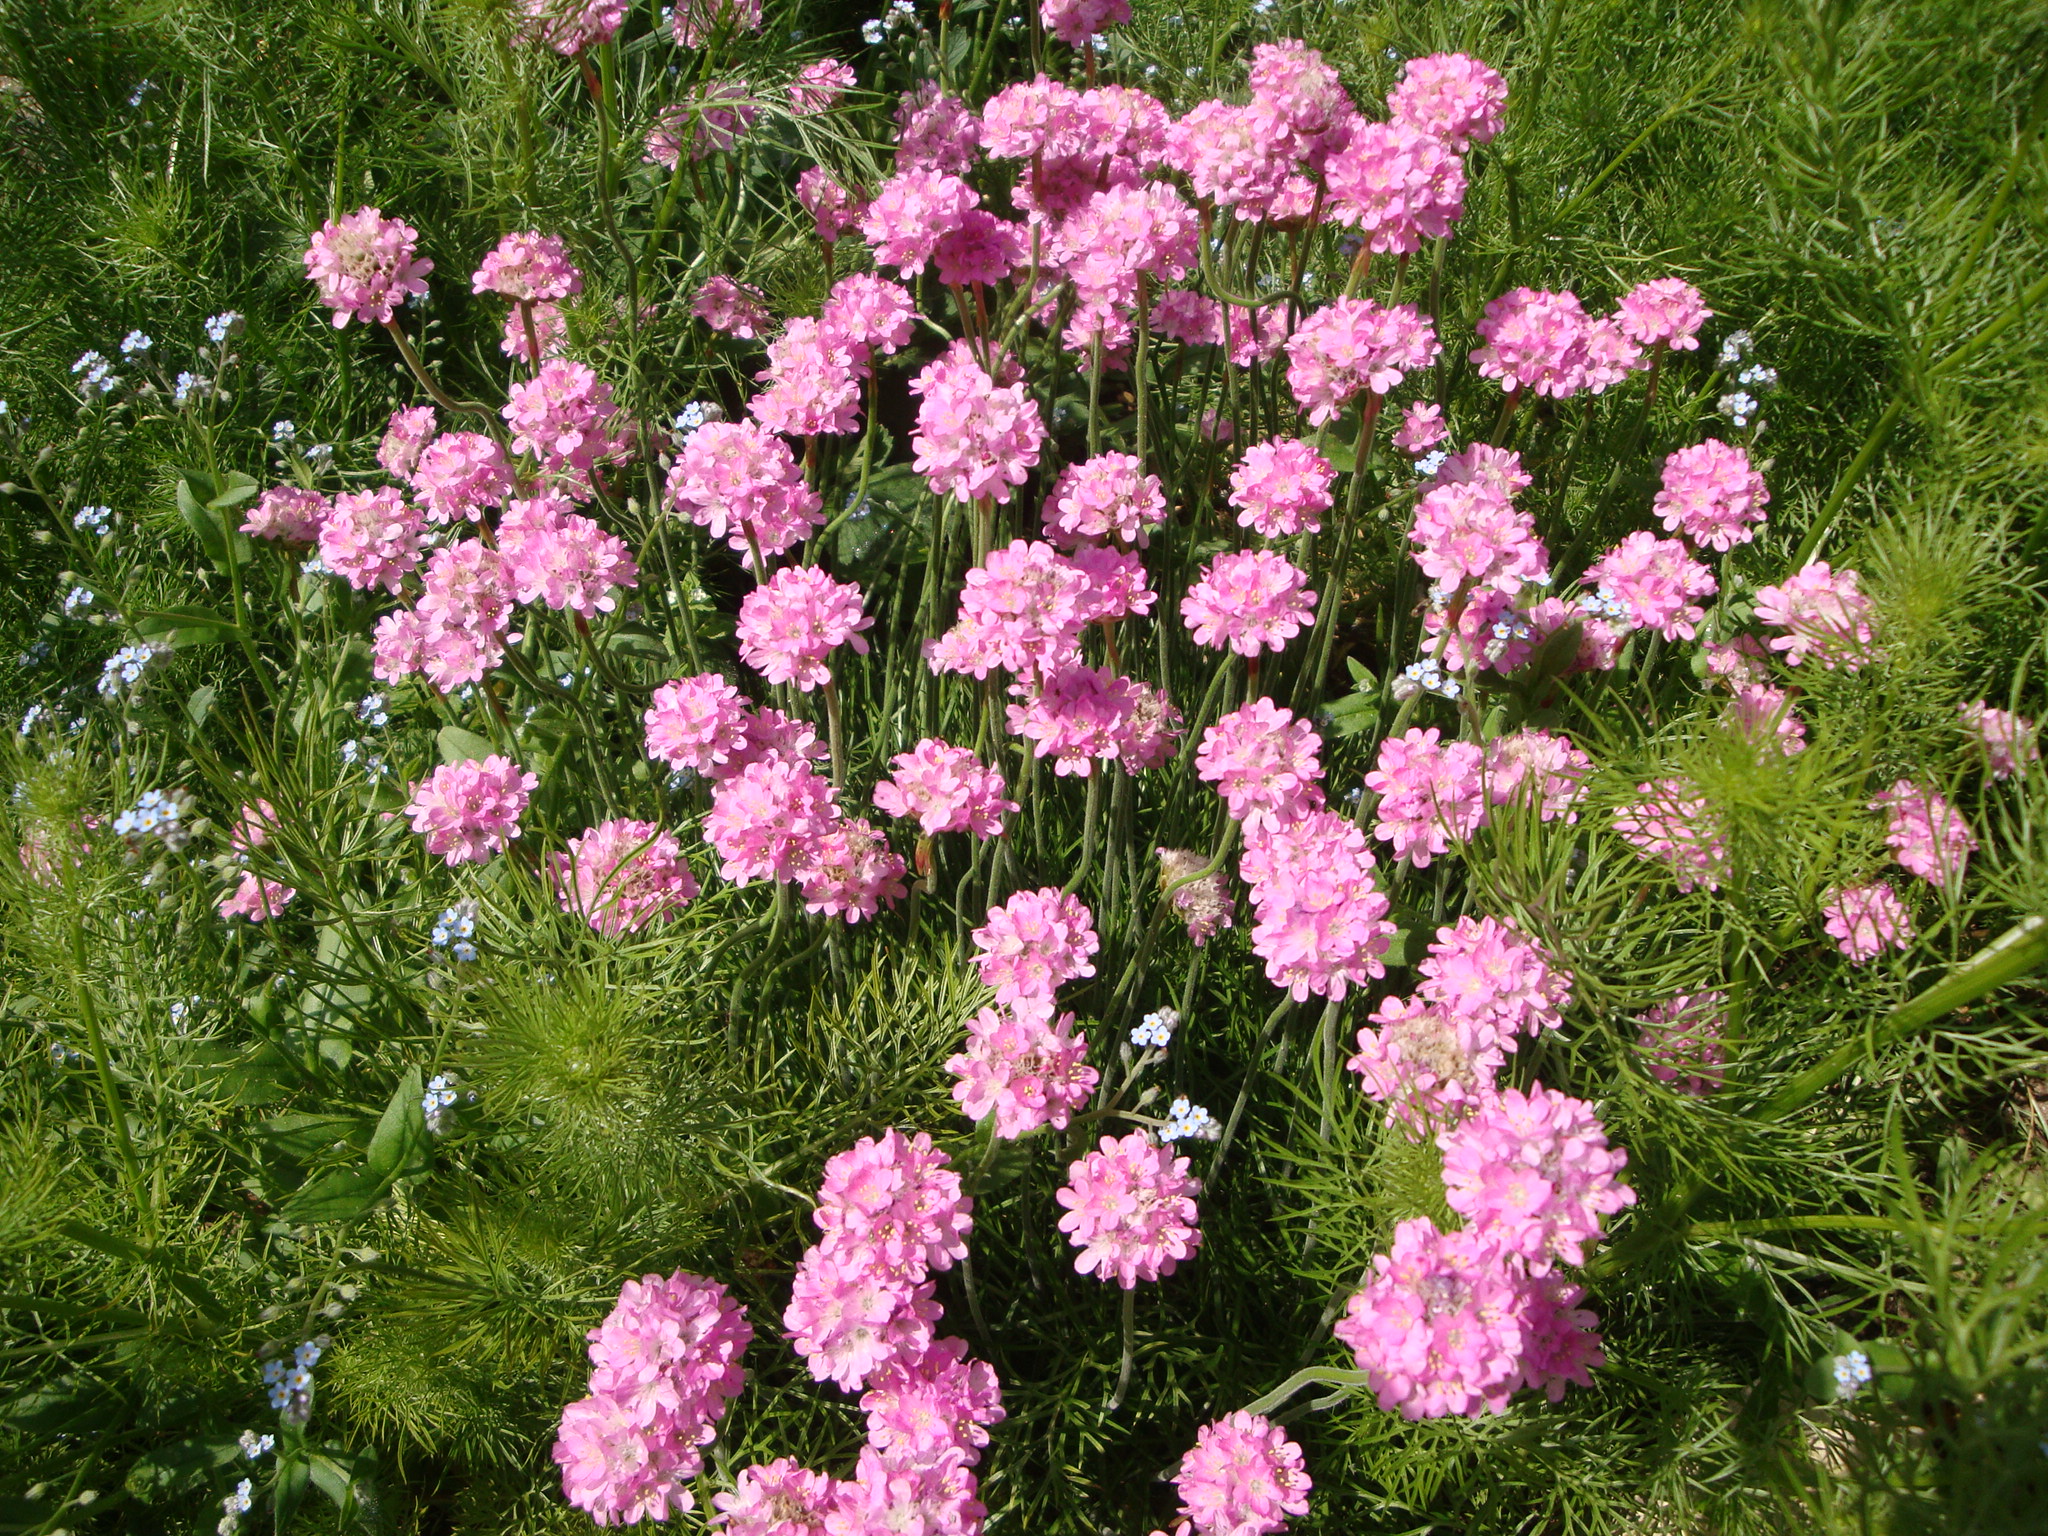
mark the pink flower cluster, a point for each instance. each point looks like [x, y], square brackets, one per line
[1243, 1477]
[1711, 492]
[977, 436]
[1397, 184]
[1248, 601]
[562, 558]
[740, 482]
[1432, 794]
[733, 309]
[1205, 904]
[1927, 835]
[1826, 615]
[289, 514]
[255, 898]
[1533, 1171]
[1032, 945]
[526, 266]
[470, 810]
[460, 475]
[1321, 919]
[1024, 1067]
[2009, 741]
[1281, 488]
[1468, 535]
[563, 416]
[571, 26]
[788, 626]
[1673, 822]
[818, 87]
[1130, 1209]
[371, 538]
[945, 789]
[1108, 497]
[1355, 345]
[1547, 343]
[621, 875]
[665, 1364]
[1263, 763]
[366, 266]
[1866, 920]
[1655, 580]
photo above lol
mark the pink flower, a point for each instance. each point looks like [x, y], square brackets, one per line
[1117, 585]
[371, 538]
[850, 871]
[1451, 96]
[1666, 312]
[1533, 767]
[980, 249]
[1020, 610]
[976, 438]
[1249, 600]
[571, 26]
[778, 1499]
[832, 208]
[1681, 1042]
[1150, 729]
[1244, 1477]
[563, 417]
[470, 810]
[1130, 1209]
[1489, 974]
[1033, 944]
[1263, 763]
[934, 1498]
[1292, 82]
[1534, 1172]
[1430, 795]
[1023, 1068]
[740, 482]
[946, 789]
[697, 723]
[1865, 920]
[563, 559]
[813, 379]
[1534, 340]
[911, 213]
[1710, 491]
[1352, 345]
[1121, 234]
[848, 1319]
[1282, 488]
[763, 818]
[1073, 22]
[463, 614]
[871, 313]
[1673, 822]
[289, 514]
[1233, 156]
[1655, 580]
[1398, 185]
[787, 627]
[736, 309]
[621, 875]
[1927, 835]
[694, 23]
[616, 1469]
[2008, 740]
[366, 266]
[893, 1204]
[933, 1409]
[410, 430]
[1498, 469]
[772, 737]
[1739, 662]
[529, 266]
[252, 829]
[935, 132]
[256, 899]
[1107, 497]
[1422, 428]
[819, 86]
[1428, 1065]
[1827, 615]
[460, 475]
[1205, 904]
[669, 1352]
[1322, 923]
[1759, 712]
[1182, 315]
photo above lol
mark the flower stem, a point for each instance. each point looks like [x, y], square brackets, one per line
[1130, 1331]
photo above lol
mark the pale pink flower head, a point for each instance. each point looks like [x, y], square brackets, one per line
[616, 1470]
[371, 538]
[565, 560]
[253, 826]
[1290, 80]
[1534, 340]
[1250, 601]
[548, 338]
[622, 875]
[1741, 662]
[563, 416]
[889, 1494]
[2009, 741]
[779, 1498]
[1244, 1477]
[1422, 428]
[1664, 312]
[1074, 714]
[290, 514]
[788, 626]
[460, 475]
[850, 872]
[1866, 920]
[1020, 611]
[1231, 155]
[527, 265]
[1034, 118]
[1927, 835]
[1322, 923]
[946, 789]
[1022, 1067]
[735, 309]
[773, 737]
[469, 811]
[255, 898]
[1493, 976]
[694, 23]
[1181, 314]
[911, 213]
[933, 1408]
[1498, 469]
[976, 437]
[697, 723]
[847, 1317]
[832, 208]
[1674, 823]
[1656, 580]
[1353, 345]
[669, 1351]
[1107, 497]
[1117, 584]
[1533, 768]
[818, 87]
[1534, 1171]
[1826, 615]
[1427, 1065]
[871, 312]
[1073, 22]
[935, 132]
[1451, 96]
[981, 248]
[366, 266]
[1431, 793]
[570, 26]
[1130, 1209]
[397, 646]
[463, 614]
[1033, 944]
[1757, 712]
[1282, 487]
[1610, 356]
[1205, 903]
[740, 482]
[813, 379]
[723, 112]
[1149, 733]
[1263, 763]
[1681, 1042]
[410, 430]
[1468, 534]
[894, 1203]
[1711, 492]
[1121, 233]
[763, 818]
[1397, 185]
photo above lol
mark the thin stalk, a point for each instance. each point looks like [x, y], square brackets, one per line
[1130, 1331]
[419, 370]
[81, 994]
[1088, 820]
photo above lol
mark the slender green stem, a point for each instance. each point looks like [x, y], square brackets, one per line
[88, 1011]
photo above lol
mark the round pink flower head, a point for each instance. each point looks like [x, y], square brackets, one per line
[1398, 185]
[935, 131]
[1250, 601]
[697, 22]
[1290, 80]
[1664, 312]
[2009, 741]
[871, 313]
[736, 309]
[1023, 1068]
[1655, 580]
[371, 538]
[410, 430]
[1865, 920]
[788, 627]
[256, 899]
[1711, 492]
[1263, 763]
[1492, 974]
[460, 475]
[1107, 497]
[1534, 1171]
[1117, 584]
[850, 872]
[622, 875]
[1074, 715]
[1681, 1042]
[529, 266]
[468, 811]
[911, 213]
[289, 514]
[832, 208]
[1205, 903]
[946, 789]
[1244, 1477]
[618, 1470]
[697, 723]
[1451, 96]
[976, 438]
[565, 560]
[1033, 944]
[1760, 713]
[563, 417]
[1826, 614]
[1130, 1209]
[764, 818]
[1353, 345]
[1432, 794]
[1927, 835]
[1322, 919]
[366, 266]
[813, 379]
[463, 614]
[571, 26]
[1020, 610]
[1422, 428]
[1428, 1065]
[1673, 822]
[849, 1318]
[894, 1203]
[1283, 487]
[1533, 768]
[670, 1351]
[741, 483]
[1073, 22]
[776, 1499]
[1534, 340]
[818, 87]
[933, 1408]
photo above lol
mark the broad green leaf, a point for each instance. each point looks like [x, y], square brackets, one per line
[181, 628]
[340, 1194]
[168, 1469]
[293, 1473]
[401, 1146]
[460, 746]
